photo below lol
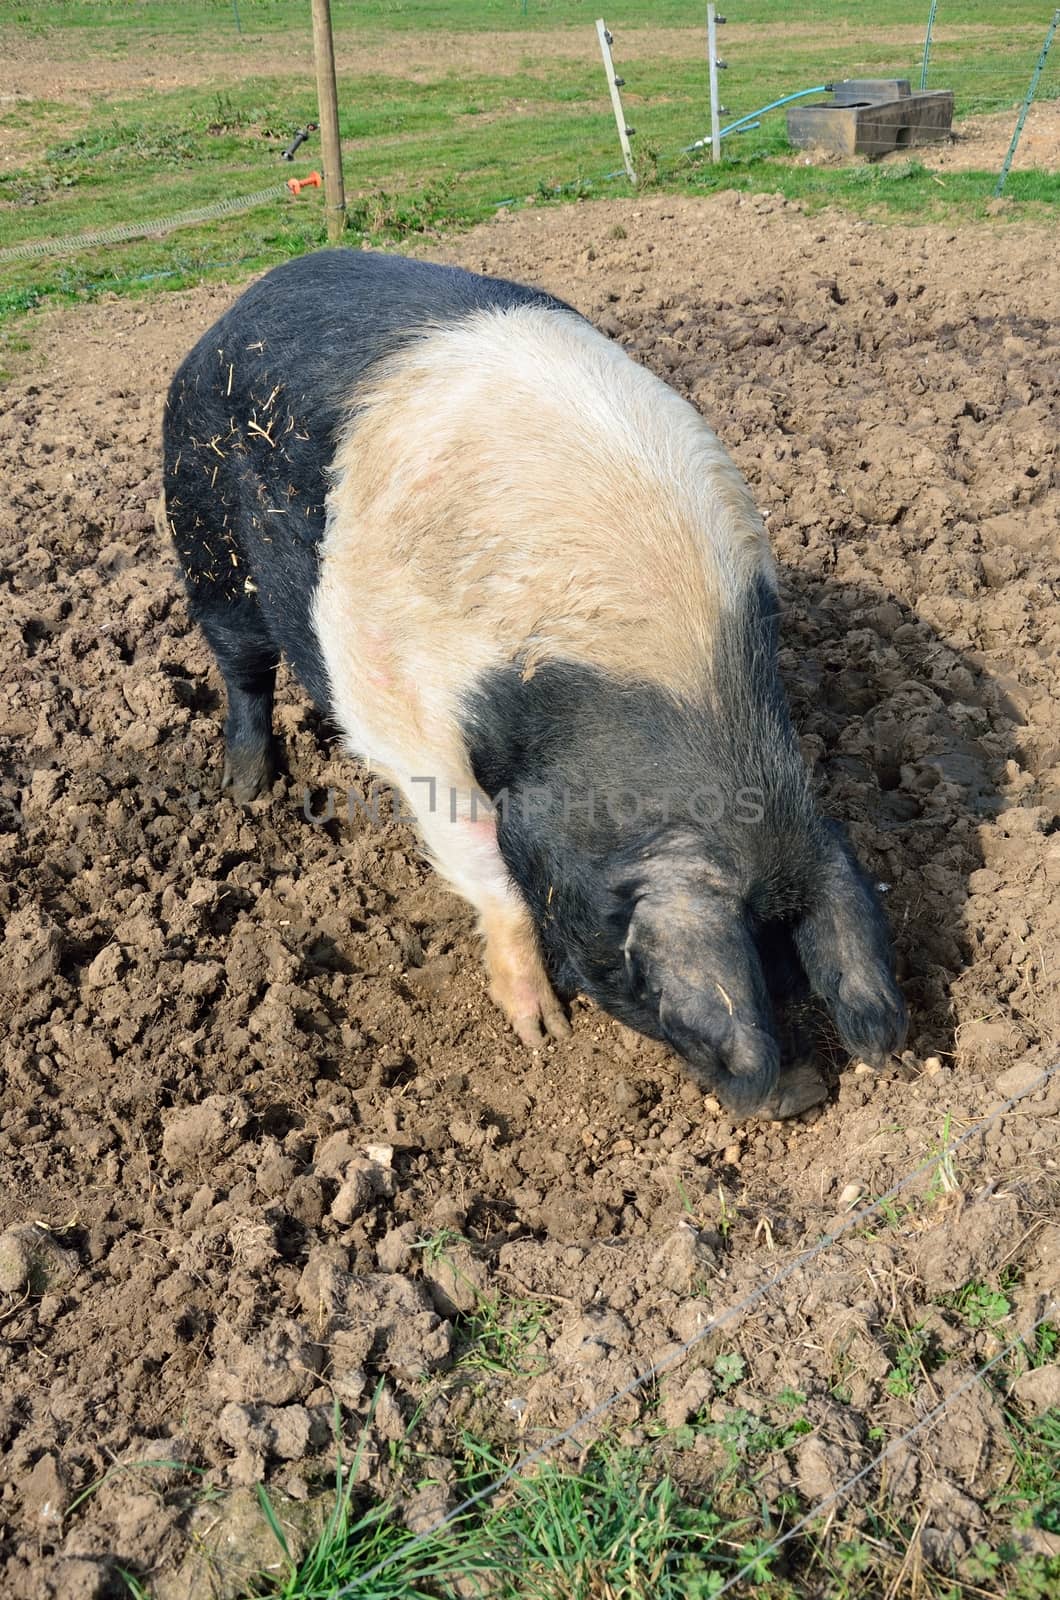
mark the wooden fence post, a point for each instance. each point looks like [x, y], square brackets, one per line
[328, 101]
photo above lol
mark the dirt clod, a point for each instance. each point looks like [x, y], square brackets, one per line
[33, 1262]
[32, 948]
[204, 1133]
[46, 1496]
[1039, 1390]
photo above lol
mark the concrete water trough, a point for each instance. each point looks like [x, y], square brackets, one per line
[871, 117]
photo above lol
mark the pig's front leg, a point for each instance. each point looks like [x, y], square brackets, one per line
[463, 848]
[518, 981]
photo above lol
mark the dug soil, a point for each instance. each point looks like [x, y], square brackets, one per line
[264, 1140]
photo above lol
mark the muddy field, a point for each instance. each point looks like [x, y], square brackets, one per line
[249, 1064]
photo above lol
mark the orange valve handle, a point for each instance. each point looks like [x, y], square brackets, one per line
[296, 185]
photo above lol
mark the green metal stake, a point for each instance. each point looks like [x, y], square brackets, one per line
[927, 45]
[235, 8]
[1003, 174]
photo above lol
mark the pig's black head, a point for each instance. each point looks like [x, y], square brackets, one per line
[676, 867]
[713, 951]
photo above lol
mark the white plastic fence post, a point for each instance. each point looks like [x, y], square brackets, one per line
[712, 63]
[614, 84]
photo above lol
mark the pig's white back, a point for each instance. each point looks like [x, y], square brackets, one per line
[515, 487]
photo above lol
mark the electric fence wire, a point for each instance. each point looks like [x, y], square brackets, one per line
[122, 231]
[679, 1352]
[852, 1482]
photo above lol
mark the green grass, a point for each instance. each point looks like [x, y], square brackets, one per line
[442, 151]
[1045, 1347]
[503, 1336]
[1035, 1488]
[360, 1537]
[978, 1305]
[620, 1525]
[117, 22]
[613, 1529]
[913, 1358]
[666, 1514]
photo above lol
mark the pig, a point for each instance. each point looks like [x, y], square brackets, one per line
[525, 581]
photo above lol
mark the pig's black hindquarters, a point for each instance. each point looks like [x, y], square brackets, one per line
[250, 429]
[676, 866]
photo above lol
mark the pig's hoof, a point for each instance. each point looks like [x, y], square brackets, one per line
[245, 776]
[548, 1023]
[797, 1090]
[533, 1010]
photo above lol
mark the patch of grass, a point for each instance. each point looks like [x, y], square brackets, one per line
[615, 1528]
[395, 216]
[1034, 1490]
[439, 1245]
[1017, 1579]
[13, 301]
[132, 1583]
[742, 1438]
[914, 1356]
[891, 1213]
[622, 1525]
[732, 1450]
[946, 1178]
[905, 192]
[360, 1535]
[978, 1305]
[444, 151]
[728, 1216]
[503, 1336]
[873, 1562]
[1045, 1347]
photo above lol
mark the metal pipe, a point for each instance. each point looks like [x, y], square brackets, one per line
[1003, 174]
[800, 94]
[927, 45]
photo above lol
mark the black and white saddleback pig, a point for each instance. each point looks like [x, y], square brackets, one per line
[503, 556]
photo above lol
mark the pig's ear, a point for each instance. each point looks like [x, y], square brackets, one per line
[700, 971]
[845, 949]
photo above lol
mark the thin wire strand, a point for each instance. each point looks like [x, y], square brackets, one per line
[121, 231]
[917, 1427]
[678, 1354]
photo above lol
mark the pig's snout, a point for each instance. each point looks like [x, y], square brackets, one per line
[872, 1020]
[695, 956]
[739, 1060]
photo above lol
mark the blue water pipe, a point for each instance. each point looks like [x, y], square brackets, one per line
[743, 123]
